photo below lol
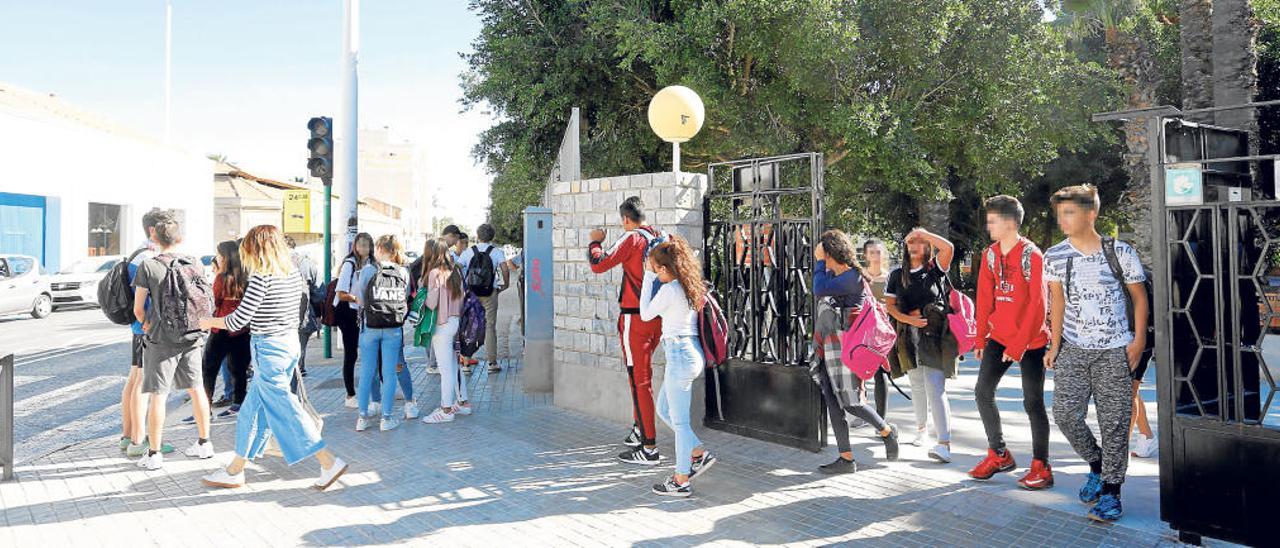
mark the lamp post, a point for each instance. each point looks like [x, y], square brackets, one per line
[676, 114]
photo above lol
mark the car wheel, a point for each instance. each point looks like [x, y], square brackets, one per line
[42, 307]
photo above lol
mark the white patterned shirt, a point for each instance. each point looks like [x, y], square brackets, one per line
[1096, 315]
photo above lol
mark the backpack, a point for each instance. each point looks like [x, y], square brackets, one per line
[480, 276]
[1028, 249]
[470, 326]
[962, 318]
[187, 297]
[866, 345]
[713, 331]
[115, 293]
[651, 241]
[1113, 262]
[329, 314]
[384, 297]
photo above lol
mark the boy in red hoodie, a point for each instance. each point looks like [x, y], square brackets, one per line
[639, 338]
[1011, 310]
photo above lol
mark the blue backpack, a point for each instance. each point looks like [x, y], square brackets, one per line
[470, 326]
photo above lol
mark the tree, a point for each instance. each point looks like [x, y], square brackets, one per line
[1235, 58]
[1196, 40]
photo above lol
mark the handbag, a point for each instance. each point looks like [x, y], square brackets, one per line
[866, 345]
[961, 318]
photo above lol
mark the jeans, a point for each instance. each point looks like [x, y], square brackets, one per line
[376, 343]
[835, 413]
[984, 394]
[269, 407]
[453, 384]
[684, 364]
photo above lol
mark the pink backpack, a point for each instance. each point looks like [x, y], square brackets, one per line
[962, 322]
[866, 345]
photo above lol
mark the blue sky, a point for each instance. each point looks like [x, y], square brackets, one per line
[248, 74]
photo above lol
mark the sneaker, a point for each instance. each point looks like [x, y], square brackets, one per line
[471, 362]
[138, 449]
[327, 477]
[438, 416]
[375, 409]
[918, 438]
[701, 463]
[840, 466]
[1144, 447]
[940, 453]
[189, 420]
[361, 424]
[466, 368]
[494, 367]
[640, 455]
[125, 442]
[411, 411]
[220, 478]
[151, 462]
[672, 489]
[230, 413]
[1039, 477]
[1107, 509]
[222, 402]
[388, 423]
[433, 370]
[200, 450]
[464, 409]
[891, 443]
[1092, 488]
[351, 403]
[633, 438]
[993, 464]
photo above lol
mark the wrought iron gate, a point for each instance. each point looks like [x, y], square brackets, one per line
[761, 218]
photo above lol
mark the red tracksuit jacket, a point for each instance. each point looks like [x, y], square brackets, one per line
[628, 251]
[1011, 309]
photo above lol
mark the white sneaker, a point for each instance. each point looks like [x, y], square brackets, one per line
[1144, 447]
[361, 424]
[940, 453]
[151, 462]
[220, 478]
[918, 439]
[375, 409]
[352, 403]
[200, 450]
[433, 370]
[389, 423]
[462, 409]
[438, 416]
[411, 411]
[327, 477]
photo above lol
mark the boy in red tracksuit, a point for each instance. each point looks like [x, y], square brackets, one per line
[639, 338]
[1011, 310]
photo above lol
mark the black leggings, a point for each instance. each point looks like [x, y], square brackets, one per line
[836, 414]
[348, 323]
[989, 373]
[221, 345]
[882, 391]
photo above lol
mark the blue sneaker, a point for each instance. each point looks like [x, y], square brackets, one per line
[1092, 488]
[1107, 509]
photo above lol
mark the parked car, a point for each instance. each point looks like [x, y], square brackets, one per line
[78, 284]
[24, 287]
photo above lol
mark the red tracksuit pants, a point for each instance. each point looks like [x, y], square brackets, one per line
[639, 341]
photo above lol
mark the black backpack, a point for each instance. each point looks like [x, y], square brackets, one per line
[480, 275]
[1113, 262]
[187, 297]
[115, 293]
[384, 297]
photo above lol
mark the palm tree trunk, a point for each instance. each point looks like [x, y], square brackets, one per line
[1235, 64]
[1197, 56]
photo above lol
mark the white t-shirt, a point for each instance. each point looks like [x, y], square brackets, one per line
[497, 256]
[348, 282]
[669, 303]
[1096, 315]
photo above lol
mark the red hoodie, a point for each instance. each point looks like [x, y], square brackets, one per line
[628, 251]
[1012, 313]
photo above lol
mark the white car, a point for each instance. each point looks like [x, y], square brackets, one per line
[24, 288]
[78, 284]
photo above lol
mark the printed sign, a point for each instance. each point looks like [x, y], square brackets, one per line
[1183, 185]
[297, 211]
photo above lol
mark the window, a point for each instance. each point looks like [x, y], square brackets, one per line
[104, 229]
[21, 265]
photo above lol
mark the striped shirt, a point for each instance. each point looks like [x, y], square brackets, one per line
[270, 305]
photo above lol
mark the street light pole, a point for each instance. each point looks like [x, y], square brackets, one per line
[168, 67]
[348, 121]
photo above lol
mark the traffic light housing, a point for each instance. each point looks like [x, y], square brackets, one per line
[321, 146]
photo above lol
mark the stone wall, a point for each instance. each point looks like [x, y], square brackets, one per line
[589, 374]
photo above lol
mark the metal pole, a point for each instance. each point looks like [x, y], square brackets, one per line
[675, 160]
[347, 124]
[328, 256]
[6, 416]
[168, 67]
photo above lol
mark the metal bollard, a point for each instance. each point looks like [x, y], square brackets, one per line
[6, 416]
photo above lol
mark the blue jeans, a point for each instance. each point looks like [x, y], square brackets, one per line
[402, 375]
[376, 343]
[269, 407]
[684, 364]
[226, 380]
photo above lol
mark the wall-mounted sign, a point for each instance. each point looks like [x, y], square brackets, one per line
[297, 211]
[1183, 185]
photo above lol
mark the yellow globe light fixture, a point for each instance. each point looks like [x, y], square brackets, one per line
[676, 115]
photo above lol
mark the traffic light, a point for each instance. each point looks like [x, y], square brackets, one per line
[321, 146]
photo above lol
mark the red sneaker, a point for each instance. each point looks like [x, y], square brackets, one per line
[993, 464]
[1039, 477]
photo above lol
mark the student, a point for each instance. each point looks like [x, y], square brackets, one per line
[463, 243]
[1094, 351]
[132, 405]
[311, 275]
[876, 270]
[487, 287]
[444, 295]
[168, 364]
[916, 297]
[272, 308]
[381, 295]
[347, 307]
[416, 271]
[677, 300]
[1011, 311]
[229, 281]
[838, 284]
[639, 336]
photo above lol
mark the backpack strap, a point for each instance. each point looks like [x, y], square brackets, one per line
[1027, 249]
[1113, 262]
[1067, 280]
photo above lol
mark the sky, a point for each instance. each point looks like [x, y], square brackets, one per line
[248, 74]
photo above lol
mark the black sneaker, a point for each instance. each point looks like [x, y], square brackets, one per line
[672, 489]
[701, 463]
[640, 455]
[222, 402]
[633, 438]
[840, 466]
[494, 367]
[891, 443]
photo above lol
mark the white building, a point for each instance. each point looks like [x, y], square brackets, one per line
[393, 185]
[74, 185]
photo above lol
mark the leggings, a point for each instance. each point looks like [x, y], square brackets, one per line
[989, 373]
[348, 323]
[935, 390]
[221, 345]
[836, 414]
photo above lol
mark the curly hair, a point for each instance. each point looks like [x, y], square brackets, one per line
[676, 255]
